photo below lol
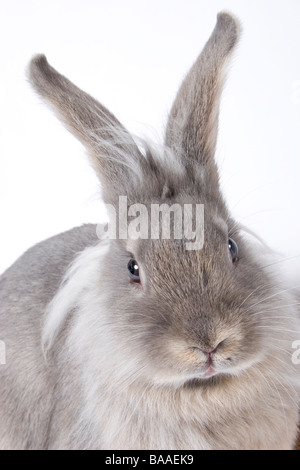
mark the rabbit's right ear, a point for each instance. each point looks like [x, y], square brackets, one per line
[116, 158]
[193, 121]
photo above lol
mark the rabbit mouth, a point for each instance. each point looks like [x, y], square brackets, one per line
[209, 369]
[209, 372]
[218, 367]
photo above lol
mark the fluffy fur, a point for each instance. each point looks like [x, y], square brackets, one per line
[95, 361]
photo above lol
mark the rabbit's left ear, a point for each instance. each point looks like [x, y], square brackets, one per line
[121, 167]
[193, 121]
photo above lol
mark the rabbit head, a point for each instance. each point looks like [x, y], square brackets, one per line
[166, 314]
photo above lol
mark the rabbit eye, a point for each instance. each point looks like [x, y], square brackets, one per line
[233, 248]
[133, 270]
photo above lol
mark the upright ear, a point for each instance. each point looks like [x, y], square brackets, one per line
[115, 156]
[193, 122]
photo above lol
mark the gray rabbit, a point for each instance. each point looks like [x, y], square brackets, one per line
[139, 343]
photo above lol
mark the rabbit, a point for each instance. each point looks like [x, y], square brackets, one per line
[140, 343]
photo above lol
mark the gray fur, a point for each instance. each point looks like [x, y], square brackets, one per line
[96, 362]
[25, 290]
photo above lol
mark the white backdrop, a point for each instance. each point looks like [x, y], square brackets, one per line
[132, 55]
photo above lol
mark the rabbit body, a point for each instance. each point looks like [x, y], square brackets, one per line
[196, 354]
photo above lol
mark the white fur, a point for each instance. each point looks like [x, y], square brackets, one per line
[79, 275]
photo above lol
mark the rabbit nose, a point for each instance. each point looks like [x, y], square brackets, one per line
[210, 352]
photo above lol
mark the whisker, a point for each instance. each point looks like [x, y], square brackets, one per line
[282, 340]
[274, 295]
[276, 329]
[253, 292]
[282, 317]
[281, 261]
[268, 310]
